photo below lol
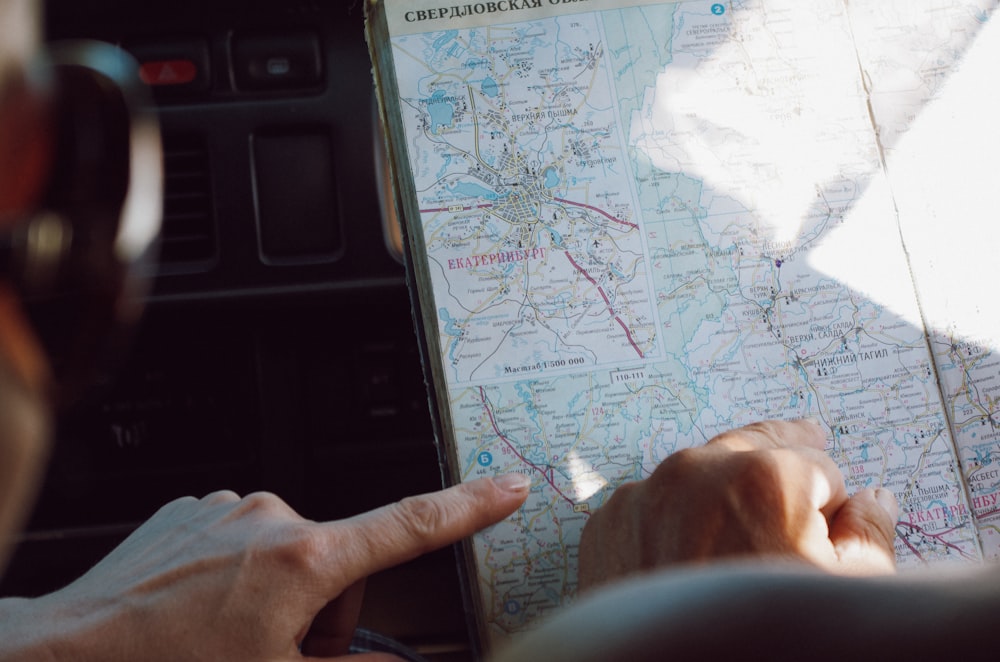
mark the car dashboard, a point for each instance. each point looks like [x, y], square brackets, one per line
[277, 349]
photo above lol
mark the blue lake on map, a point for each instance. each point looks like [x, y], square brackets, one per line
[471, 190]
[551, 178]
[442, 112]
[490, 88]
[445, 37]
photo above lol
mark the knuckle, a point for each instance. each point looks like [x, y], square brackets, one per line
[758, 467]
[625, 491]
[742, 439]
[684, 459]
[756, 475]
[682, 466]
[299, 549]
[877, 525]
[259, 499]
[180, 501]
[178, 507]
[763, 427]
[759, 435]
[307, 546]
[264, 503]
[220, 497]
[620, 500]
[762, 434]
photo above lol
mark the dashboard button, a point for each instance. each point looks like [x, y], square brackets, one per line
[168, 72]
[172, 66]
[277, 61]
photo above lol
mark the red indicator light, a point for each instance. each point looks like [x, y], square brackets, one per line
[168, 72]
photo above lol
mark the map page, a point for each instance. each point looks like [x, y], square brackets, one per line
[927, 61]
[646, 225]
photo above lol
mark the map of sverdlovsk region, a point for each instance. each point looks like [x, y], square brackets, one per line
[607, 225]
[529, 220]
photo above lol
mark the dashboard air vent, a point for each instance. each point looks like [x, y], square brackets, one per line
[188, 234]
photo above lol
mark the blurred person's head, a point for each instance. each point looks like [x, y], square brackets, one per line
[25, 158]
[80, 203]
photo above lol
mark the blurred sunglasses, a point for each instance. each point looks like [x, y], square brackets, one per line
[82, 259]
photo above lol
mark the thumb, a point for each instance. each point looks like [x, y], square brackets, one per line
[863, 531]
[401, 531]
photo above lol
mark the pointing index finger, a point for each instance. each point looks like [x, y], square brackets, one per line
[401, 531]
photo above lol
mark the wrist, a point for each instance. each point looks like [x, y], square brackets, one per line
[53, 628]
[24, 631]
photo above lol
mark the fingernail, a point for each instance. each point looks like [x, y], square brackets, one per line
[815, 420]
[513, 482]
[887, 500]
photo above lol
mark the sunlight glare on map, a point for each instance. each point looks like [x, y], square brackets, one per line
[750, 144]
[946, 169]
[939, 171]
[587, 481]
[869, 236]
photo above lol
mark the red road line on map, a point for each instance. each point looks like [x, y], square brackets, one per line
[599, 211]
[628, 334]
[912, 548]
[936, 536]
[547, 474]
[593, 282]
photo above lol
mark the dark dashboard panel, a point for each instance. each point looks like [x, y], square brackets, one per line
[277, 351]
[214, 131]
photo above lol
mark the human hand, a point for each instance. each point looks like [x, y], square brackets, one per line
[765, 490]
[224, 578]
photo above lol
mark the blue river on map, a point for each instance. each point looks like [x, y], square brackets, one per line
[451, 329]
[445, 164]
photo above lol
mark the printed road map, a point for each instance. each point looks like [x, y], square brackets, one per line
[649, 225]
